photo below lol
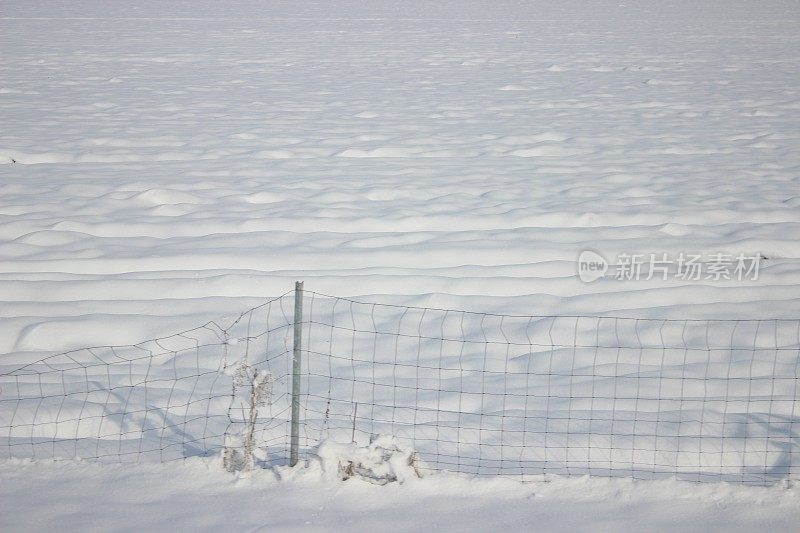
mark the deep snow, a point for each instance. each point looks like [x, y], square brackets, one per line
[198, 496]
[190, 159]
[166, 164]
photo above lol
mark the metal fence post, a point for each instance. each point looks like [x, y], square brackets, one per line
[294, 443]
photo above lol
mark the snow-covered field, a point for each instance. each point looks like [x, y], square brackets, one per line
[166, 164]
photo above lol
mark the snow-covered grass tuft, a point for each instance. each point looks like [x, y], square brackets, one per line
[240, 450]
[382, 461]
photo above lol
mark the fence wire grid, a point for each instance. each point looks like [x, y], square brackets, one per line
[476, 393]
[163, 399]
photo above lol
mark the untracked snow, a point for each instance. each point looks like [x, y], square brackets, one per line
[167, 163]
[200, 496]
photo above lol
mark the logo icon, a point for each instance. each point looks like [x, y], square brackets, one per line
[591, 266]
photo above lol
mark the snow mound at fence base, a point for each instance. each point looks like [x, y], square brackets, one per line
[382, 461]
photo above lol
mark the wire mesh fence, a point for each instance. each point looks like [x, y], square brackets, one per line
[159, 400]
[477, 393]
[527, 395]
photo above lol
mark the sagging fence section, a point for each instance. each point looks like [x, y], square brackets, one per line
[477, 393]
